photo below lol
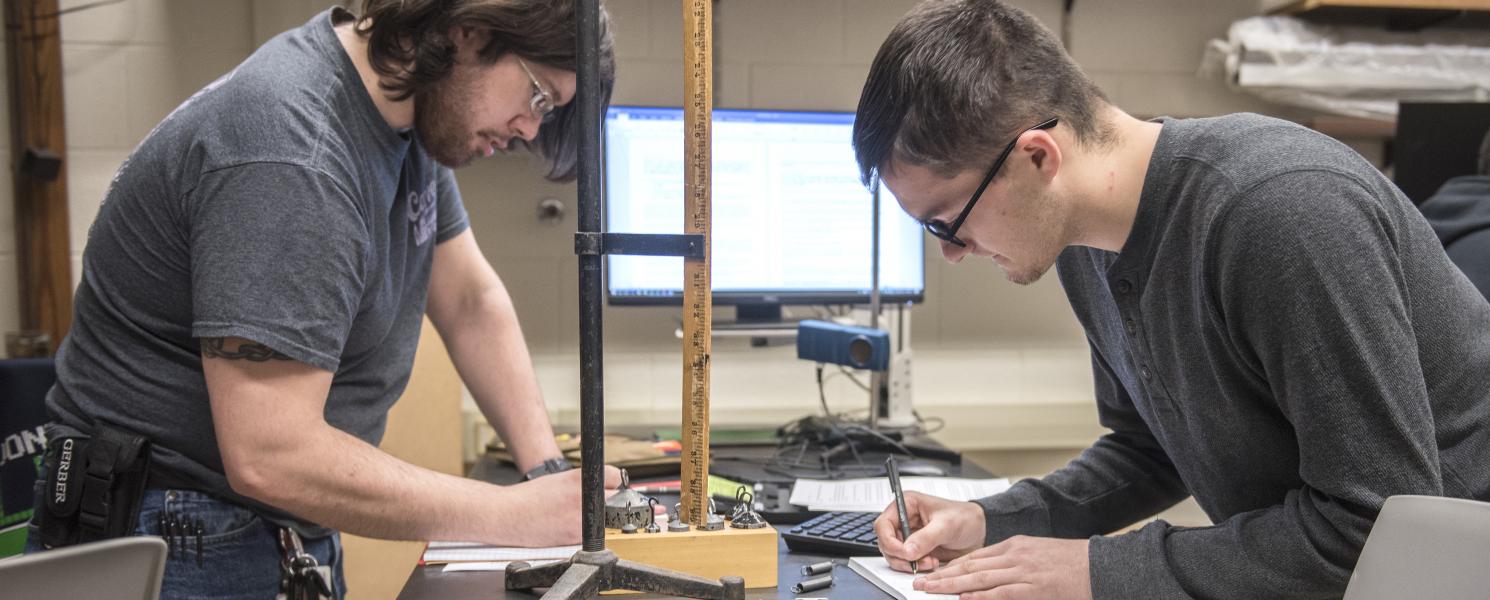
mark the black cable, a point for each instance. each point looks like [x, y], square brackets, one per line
[887, 439]
[822, 394]
[1066, 10]
[921, 423]
[853, 378]
[79, 8]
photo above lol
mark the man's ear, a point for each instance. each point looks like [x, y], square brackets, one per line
[1043, 152]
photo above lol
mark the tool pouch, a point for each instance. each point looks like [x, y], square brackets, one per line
[93, 487]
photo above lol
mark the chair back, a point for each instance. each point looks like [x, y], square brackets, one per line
[128, 568]
[1425, 547]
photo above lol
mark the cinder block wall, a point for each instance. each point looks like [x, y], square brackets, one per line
[124, 67]
[1005, 365]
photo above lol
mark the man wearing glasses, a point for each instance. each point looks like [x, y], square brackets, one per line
[1274, 328]
[254, 286]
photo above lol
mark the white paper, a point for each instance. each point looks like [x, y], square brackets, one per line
[456, 567]
[875, 570]
[873, 494]
[447, 552]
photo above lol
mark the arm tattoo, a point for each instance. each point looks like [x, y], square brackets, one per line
[247, 350]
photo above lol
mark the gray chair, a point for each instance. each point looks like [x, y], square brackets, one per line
[1425, 547]
[128, 568]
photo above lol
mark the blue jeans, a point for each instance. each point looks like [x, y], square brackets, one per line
[240, 550]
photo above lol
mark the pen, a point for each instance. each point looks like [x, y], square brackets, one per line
[905, 523]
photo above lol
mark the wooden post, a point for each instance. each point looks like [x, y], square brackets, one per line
[33, 44]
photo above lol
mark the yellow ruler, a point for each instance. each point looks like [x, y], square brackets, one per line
[698, 309]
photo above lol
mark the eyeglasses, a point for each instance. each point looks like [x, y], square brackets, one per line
[542, 103]
[948, 233]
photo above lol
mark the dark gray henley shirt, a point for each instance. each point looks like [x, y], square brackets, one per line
[1281, 337]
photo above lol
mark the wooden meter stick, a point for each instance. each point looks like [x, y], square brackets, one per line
[698, 112]
[726, 550]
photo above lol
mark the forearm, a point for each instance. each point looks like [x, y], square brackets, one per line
[1125, 476]
[368, 492]
[1111, 485]
[487, 346]
[1304, 547]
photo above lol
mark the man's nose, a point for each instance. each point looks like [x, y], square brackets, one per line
[952, 252]
[526, 127]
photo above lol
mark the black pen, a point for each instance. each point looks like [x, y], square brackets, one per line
[905, 523]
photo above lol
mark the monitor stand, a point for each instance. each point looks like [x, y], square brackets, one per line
[766, 313]
[761, 322]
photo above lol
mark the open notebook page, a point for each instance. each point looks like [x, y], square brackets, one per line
[448, 552]
[895, 583]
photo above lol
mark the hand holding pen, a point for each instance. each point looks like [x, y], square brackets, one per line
[933, 531]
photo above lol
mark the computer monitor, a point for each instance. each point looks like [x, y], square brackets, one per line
[791, 221]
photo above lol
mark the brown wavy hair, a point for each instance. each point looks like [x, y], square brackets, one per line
[409, 47]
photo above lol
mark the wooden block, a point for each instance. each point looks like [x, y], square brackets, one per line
[748, 553]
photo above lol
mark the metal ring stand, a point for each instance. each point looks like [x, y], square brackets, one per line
[594, 569]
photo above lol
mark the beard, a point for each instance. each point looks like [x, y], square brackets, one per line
[440, 121]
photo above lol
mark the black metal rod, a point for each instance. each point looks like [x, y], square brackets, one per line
[591, 344]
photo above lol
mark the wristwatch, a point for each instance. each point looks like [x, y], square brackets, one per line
[549, 467]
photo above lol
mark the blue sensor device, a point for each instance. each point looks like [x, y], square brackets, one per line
[857, 347]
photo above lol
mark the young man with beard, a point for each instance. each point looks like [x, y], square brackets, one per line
[1274, 328]
[255, 282]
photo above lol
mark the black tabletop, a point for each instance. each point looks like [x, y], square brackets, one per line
[429, 582]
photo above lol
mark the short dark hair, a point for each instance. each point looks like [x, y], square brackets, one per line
[409, 47]
[1485, 154]
[956, 79]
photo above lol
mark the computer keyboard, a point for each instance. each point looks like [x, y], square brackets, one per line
[835, 533]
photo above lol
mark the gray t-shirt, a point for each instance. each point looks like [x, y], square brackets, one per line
[276, 205]
[1282, 337]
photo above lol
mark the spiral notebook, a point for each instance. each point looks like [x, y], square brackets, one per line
[875, 570]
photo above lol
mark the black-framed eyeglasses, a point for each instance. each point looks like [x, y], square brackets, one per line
[542, 102]
[948, 233]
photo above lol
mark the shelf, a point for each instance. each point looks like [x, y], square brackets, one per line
[1353, 127]
[1394, 14]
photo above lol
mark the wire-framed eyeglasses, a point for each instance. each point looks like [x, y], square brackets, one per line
[542, 102]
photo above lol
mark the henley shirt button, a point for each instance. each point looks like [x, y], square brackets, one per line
[1143, 371]
[1124, 286]
[1132, 327]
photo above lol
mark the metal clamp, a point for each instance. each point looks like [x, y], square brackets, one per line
[595, 243]
[301, 576]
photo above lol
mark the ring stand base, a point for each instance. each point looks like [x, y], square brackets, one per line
[589, 573]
